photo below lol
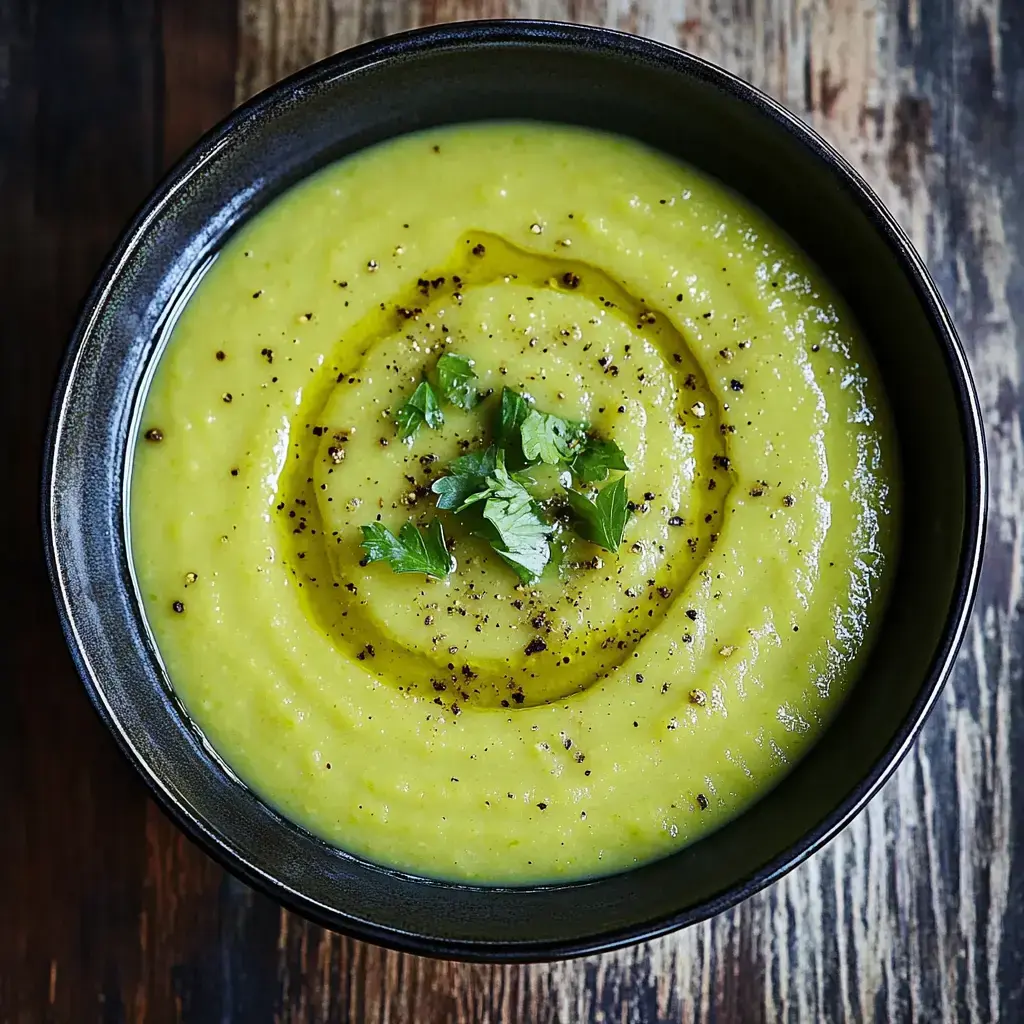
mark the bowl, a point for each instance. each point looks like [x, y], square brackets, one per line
[602, 79]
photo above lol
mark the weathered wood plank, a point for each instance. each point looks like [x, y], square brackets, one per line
[903, 917]
[71, 852]
[198, 50]
[107, 909]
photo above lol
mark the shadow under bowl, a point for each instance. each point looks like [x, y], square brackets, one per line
[601, 79]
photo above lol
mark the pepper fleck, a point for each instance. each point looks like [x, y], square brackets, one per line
[154, 434]
[178, 607]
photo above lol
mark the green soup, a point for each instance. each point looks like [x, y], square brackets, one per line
[550, 703]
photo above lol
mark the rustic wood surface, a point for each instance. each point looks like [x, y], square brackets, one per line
[915, 913]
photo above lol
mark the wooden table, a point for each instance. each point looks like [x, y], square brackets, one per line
[109, 914]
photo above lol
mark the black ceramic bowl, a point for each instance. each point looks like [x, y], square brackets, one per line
[606, 80]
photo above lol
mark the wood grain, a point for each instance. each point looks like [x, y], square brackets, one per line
[107, 909]
[913, 914]
[62, 197]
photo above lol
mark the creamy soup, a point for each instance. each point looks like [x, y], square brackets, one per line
[512, 503]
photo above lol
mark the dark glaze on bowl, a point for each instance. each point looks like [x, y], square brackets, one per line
[604, 80]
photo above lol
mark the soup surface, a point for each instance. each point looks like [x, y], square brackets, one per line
[512, 503]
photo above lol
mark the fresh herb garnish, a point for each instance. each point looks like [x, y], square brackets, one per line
[410, 551]
[549, 438]
[602, 520]
[466, 475]
[492, 499]
[511, 510]
[455, 376]
[420, 407]
[514, 409]
[592, 464]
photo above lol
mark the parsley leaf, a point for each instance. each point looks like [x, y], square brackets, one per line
[467, 475]
[528, 561]
[514, 409]
[455, 375]
[410, 551]
[420, 407]
[495, 503]
[550, 438]
[516, 531]
[592, 464]
[602, 520]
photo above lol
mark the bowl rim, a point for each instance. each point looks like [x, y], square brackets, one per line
[524, 32]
